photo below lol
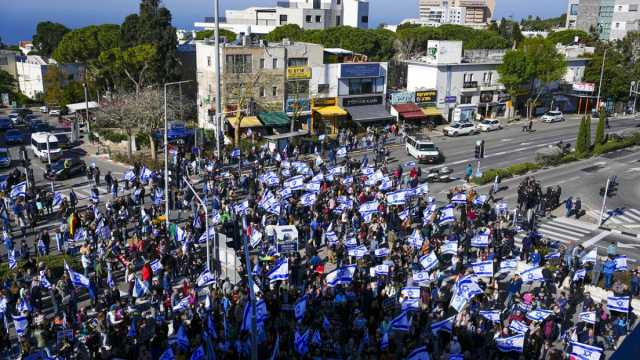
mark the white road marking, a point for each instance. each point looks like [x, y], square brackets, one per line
[506, 140]
[525, 143]
[595, 239]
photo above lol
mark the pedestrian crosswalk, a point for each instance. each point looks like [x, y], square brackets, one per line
[627, 217]
[564, 230]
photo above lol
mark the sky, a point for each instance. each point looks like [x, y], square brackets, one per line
[18, 18]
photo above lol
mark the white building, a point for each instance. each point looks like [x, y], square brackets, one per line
[473, 13]
[308, 14]
[31, 71]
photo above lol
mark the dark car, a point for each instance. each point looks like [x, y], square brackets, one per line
[5, 124]
[39, 126]
[63, 141]
[66, 168]
[14, 136]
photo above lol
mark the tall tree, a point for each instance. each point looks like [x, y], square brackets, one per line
[82, 45]
[132, 64]
[54, 92]
[48, 35]
[536, 60]
[600, 135]
[7, 82]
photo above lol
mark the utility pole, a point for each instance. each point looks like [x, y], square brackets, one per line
[252, 295]
[218, 117]
[604, 201]
[86, 108]
[604, 57]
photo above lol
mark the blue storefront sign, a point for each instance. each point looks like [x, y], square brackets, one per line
[304, 104]
[450, 99]
[403, 97]
[359, 70]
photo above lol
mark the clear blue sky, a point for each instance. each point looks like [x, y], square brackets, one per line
[18, 18]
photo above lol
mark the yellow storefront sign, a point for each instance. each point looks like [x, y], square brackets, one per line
[299, 72]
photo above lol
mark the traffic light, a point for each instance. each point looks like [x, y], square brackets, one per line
[480, 149]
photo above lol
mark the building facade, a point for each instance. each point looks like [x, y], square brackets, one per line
[473, 13]
[308, 14]
[610, 19]
[31, 71]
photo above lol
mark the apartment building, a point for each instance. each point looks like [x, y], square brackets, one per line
[31, 71]
[473, 13]
[610, 19]
[308, 14]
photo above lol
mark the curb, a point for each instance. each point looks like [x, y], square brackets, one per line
[620, 232]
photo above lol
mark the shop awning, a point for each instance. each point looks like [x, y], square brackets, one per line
[274, 119]
[413, 115]
[431, 111]
[331, 111]
[369, 113]
[247, 122]
[406, 108]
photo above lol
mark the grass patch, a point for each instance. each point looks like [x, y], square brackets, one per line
[53, 262]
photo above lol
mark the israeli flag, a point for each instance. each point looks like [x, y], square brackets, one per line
[401, 322]
[167, 355]
[351, 242]
[419, 353]
[347, 180]
[518, 326]
[538, 314]
[502, 207]
[241, 207]
[591, 256]
[110, 282]
[386, 183]
[301, 342]
[318, 178]
[181, 235]
[410, 292]
[384, 342]
[480, 200]
[235, 153]
[21, 323]
[312, 187]
[491, 315]
[420, 276]
[483, 268]
[415, 239]
[12, 259]
[44, 282]
[255, 238]
[145, 174]
[300, 308]
[397, 197]
[267, 199]
[308, 199]
[139, 289]
[198, 354]
[459, 199]
[369, 207]
[331, 237]
[211, 233]
[358, 252]
[513, 343]
[579, 274]
[129, 175]
[446, 215]
[316, 339]
[553, 255]
[422, 189]
[508, 265]
[382, 252]
[156, 266]
[215, 218]
[427, 214]
[280, 271]
[341, 276]
[367, 171]
[443, 325]
[618, 303]
[18, 190]
[621, 263]
[286, 193]
[588, 317]
[271, 179]
[532, 274]
[410, 305]
[57, 199]
[404, 214]
[449, 248]
[429, 262]
[481, 239]
[342, 152]
[585, 352]
[182, 305]
[382, 270]
[206, 279]
[294, 183]
[77, 279]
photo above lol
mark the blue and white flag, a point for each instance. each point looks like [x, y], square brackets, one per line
[235, 153]
[384, 342]
[591, 256]
[410, 305]
[181, 235]
[618, 303]
[585, 352]
[342, 152]
[369, 207]
[301, 342]
[308, 199]
[331, 237]
[183, 304]
[211, 234]
[404, 214]
[538, 314]
[419, 353]
[21, 323]
[401, 322]
[145, 174]
[348, 180]
[588, 317]
[18, 190]
[206, 279]
[459, 199]
[44, 282]
[280, 271]
[316, 339]
[502, 207]
[422, 189]
[621, 263]
[429, 262]
[129, 175]
[367, 171]
[57, 199]
[480, 200]
[156, 266]
[553, 255]
[518, 326]
[513, 343]
[77, 279]
[386, 183]
[167, 355]
[481, 239]
[449, 248]
[139, 289]
[341, 276]
[358, 251]
[415, 239]
[428, 212]
[300, 308]
[483, 268]
[198, 354]
[491, 315]
[532, 274]
[397, 197]
[241, 207]
[336, 171]
[443, 325]
[381, 270]
[579, 274]
[420, 276]
[382, 252]
[12, 259]
[317, 179]
[294, 183]
[313, 187]
[508, 265]
[446, 215]
[410, 292]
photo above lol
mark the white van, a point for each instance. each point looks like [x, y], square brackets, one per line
[39, 146]
[423, 149]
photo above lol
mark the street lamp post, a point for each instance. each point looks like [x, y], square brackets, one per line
[206, 219]
[604, 57]
[166, 153]
[218, 117]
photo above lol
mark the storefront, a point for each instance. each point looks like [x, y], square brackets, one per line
[249, 125]
[275, 121]
[409, 113]
[465, 113]
[367, 110]
[427, 100]
[326, 116]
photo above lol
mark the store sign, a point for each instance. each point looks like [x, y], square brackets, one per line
[470, 84]
[359, 70]
[486, 96]
[359, 101]
[299, 105]
[451, 99]
[426, 96]
[322, 102]
[403, 97]
[584, 87]
[298, 72]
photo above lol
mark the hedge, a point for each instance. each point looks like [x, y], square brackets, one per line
[505, 173]
[53, 262]
[113, 136]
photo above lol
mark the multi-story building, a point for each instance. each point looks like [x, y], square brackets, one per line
[464, 84]
[610, 19]
[308, 14]
[8, 59]
[31, 71]
[474, 13]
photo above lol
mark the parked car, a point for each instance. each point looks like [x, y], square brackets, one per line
[38, 126]
[44, 109]
[63, 141]
[489, 125]
[15, 118]
[5, 158]
[552, 116]
[55, 112]
[13, 136]
[460, 128]
[66, 168]
[5, 124]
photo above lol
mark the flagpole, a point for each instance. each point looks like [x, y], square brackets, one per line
[206, 220]
[252, 295]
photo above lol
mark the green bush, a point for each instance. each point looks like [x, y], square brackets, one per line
[138, 158]
[505, 173]
[53, 262]
[113, 136]
[142, 141]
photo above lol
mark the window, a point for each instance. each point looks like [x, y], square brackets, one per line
[283, 19]
[574, 9]
[617, 25]
[298, 88]
[274, 91]
[323, 88]
[275, 63]
[308, 18]
[208, 60]
[338, 20]
[338, 2]
[619, 8]
[365, 20]
[468, 77]
[633, 7]
[465, 99]
[262, 92]
[364, 86]
[239, 64]
[297, 62]
[318, 18]
[486, 78]
[261, 63]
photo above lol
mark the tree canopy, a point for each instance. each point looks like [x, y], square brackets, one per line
[567, 37]
[87, 43]
[538, 24]
[205, 34]
[47, 37]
